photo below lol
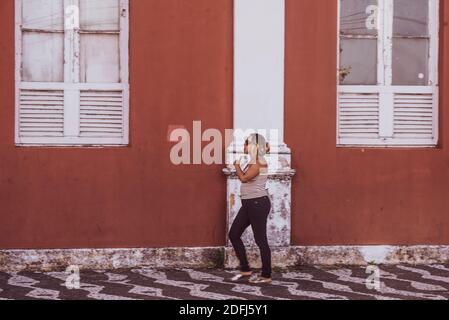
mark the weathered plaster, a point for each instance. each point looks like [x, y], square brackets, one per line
[16, 260]
[217, 257]
[279, 189]
[279, 220]
[345, 255]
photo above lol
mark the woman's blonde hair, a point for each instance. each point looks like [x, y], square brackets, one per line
[260, 141]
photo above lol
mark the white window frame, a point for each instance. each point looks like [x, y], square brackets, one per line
[72, 87]
[385, 90]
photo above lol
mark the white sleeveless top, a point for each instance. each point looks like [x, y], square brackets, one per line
[255, 188]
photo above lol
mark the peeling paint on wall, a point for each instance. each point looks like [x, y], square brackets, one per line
[217, 257]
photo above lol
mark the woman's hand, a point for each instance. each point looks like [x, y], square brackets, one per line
[253, 151]
[252, 172]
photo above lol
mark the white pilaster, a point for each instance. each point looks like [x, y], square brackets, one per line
[259, 62]
[259, 54]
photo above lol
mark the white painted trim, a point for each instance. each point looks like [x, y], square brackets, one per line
[124, 66]
[385, 45]
[124, 41]
[259, 62]
[412, 143]
[389, 89]
[68, 86]
[337, 72]
[436, 114]
[434, 32]
[386, 114]
[387, 42]
[71, 112]
[18, 65]
[380, 42]
[70, 141]
[71, 47]
[71, 75]
[434, 26]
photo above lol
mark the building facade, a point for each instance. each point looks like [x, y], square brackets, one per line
[90, 93]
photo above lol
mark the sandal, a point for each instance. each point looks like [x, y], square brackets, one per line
[261, 280]
[239, 277]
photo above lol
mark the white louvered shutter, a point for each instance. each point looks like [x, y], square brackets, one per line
[358, 115]
[414, 115]
[41, 113]
[394, 116]
[101, 113]
[72, 72]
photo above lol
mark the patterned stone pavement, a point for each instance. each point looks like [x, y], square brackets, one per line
[400, 282]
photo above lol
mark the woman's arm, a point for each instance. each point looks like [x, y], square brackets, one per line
[252, 172]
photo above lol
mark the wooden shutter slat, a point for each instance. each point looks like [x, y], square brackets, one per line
[413, 115]
[101, 113]
[41, 113]
[358, 115]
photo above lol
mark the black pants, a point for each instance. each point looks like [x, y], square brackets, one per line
[254, 213]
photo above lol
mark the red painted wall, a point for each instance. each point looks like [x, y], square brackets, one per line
[354, 195]
[181, 71]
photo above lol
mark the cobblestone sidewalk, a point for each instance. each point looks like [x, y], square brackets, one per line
[344, 283]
